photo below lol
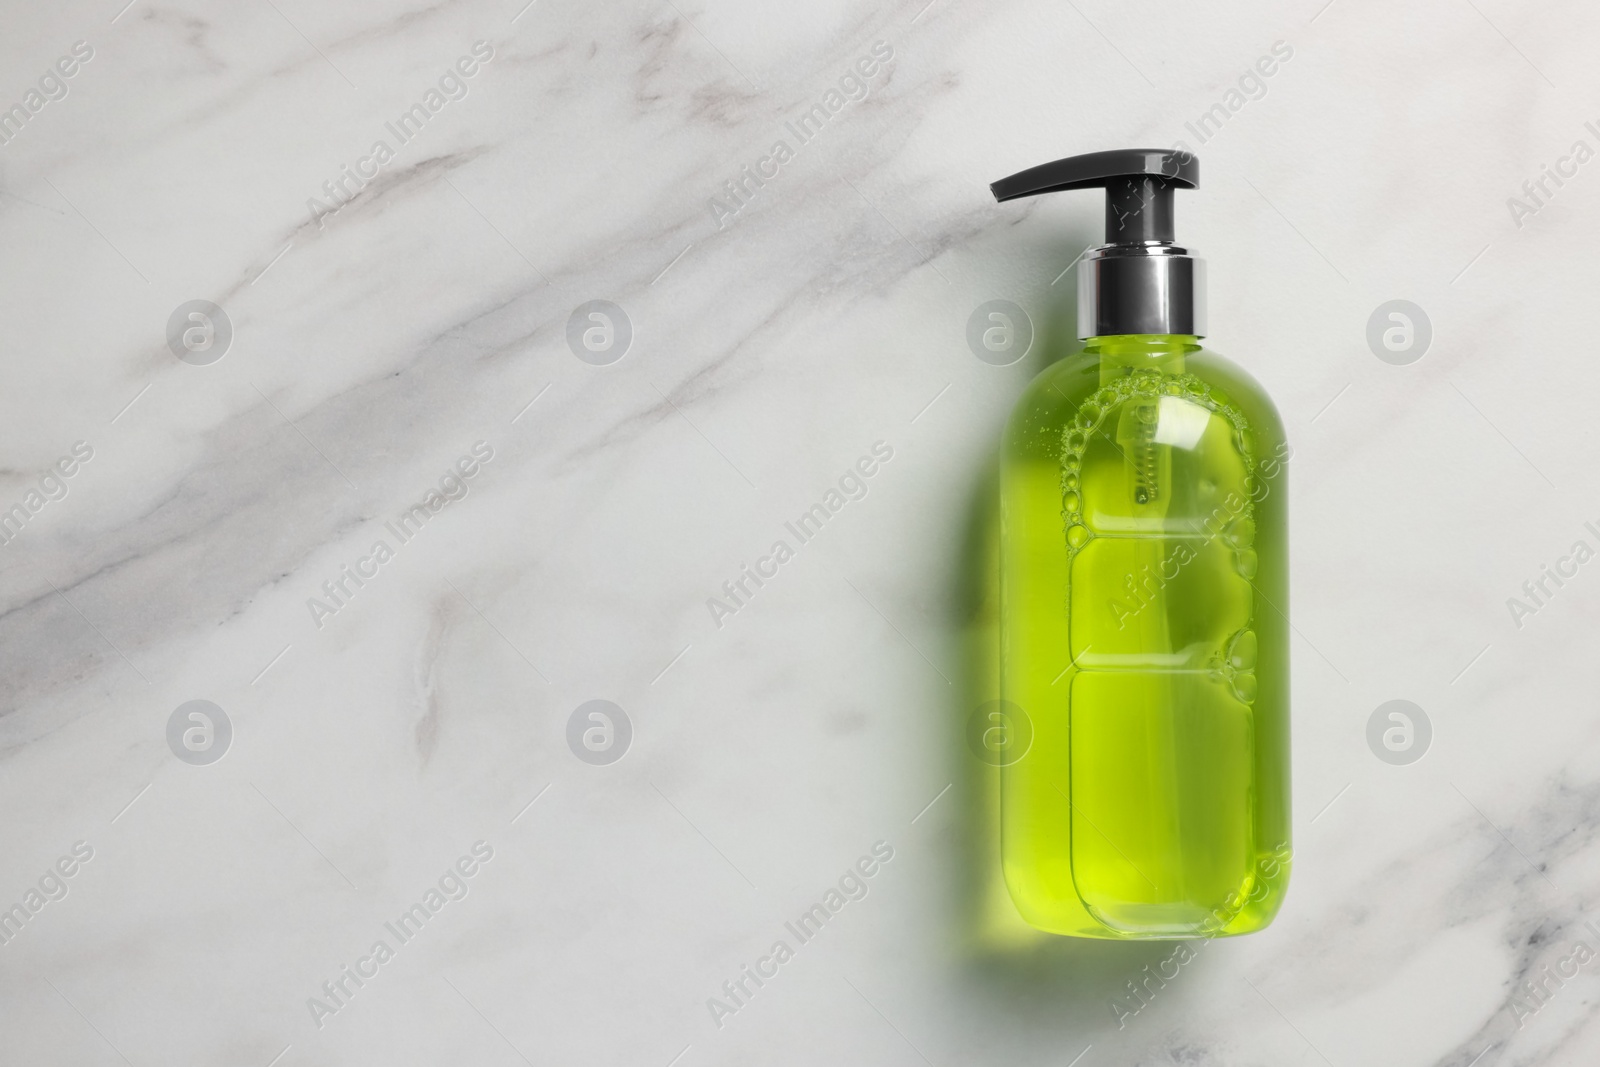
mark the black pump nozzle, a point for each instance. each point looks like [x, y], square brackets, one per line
[1138, 282]
[1138, 182]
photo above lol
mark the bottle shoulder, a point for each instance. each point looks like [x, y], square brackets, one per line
[1056, 393]
[1242, 387]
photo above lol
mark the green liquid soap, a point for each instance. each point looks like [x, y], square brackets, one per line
[1143, 592]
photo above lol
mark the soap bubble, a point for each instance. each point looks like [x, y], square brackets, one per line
[1399, 332]
[599, 332]
[199, 332]
[599, 732]
[1399, 732]
[999, 332]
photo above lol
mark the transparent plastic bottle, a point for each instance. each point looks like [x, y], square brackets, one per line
[1144, 629]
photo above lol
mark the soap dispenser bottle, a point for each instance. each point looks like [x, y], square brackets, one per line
[1144, 597]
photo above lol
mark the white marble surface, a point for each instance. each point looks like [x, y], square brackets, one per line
[370, 352]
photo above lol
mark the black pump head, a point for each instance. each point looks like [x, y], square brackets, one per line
[1138, 282]
[1138, 184]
